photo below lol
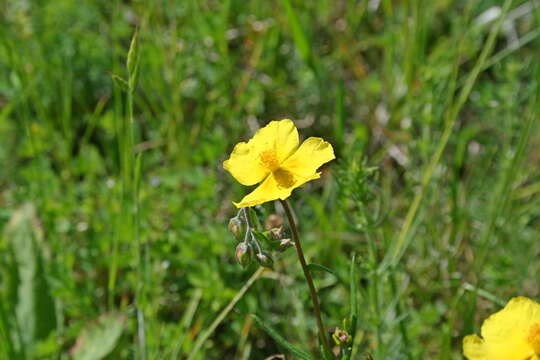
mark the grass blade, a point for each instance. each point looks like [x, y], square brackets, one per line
[319, 267]
[281, 341]
[300, 37]
[206, 334]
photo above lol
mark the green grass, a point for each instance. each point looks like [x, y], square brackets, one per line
[113, 233]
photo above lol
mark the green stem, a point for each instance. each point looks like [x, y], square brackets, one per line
[307, 274]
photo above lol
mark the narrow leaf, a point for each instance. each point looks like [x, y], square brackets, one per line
[300, 37]
[319, 267]
[298, 33]
[133, 53]
[120, 82]
[281, 341]
[260, 236]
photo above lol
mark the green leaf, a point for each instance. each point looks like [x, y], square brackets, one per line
[132, 62]
[99, 339]
[133, 53]
[120, 82]
[319, 267]
[34, 308]
[266, 240]
[281, 341]
[261, 237]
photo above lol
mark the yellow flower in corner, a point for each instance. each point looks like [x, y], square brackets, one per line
[510, 334]
[275, 159]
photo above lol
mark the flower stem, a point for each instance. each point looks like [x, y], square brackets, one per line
[309, 278]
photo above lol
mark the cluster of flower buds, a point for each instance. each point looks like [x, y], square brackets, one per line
[254, 242]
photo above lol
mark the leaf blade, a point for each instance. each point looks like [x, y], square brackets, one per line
[99, 339]
[281, 341]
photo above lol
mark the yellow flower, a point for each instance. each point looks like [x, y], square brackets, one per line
[510, 334]
[274, 158]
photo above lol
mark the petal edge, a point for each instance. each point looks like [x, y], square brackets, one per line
[312, 154]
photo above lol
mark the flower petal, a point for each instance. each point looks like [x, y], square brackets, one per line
[278, 138]
[276, 186]
[268, 190]
[244, 164]
[309, 157]
[506, 333]
[517, 317]
[473, 348]
[281, 136]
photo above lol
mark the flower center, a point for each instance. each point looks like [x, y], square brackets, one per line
[269, 159]
[533, 338]
[284, 178]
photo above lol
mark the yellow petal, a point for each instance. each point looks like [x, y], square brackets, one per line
[510, 333]
[277, 185]
[251, 162]
[280, 136]
[268, 190]
[517, 317]
[309, 157]
[244, 164]
[473, 348]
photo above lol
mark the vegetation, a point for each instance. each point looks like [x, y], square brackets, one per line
[114, 205]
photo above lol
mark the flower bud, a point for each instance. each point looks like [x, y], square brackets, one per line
[265, 259]
[235, 227]
[284, 244]
[273, 221]
[341, 337]
[243, 254]
[276, 233]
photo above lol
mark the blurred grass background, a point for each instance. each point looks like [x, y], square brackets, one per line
[378, 79]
